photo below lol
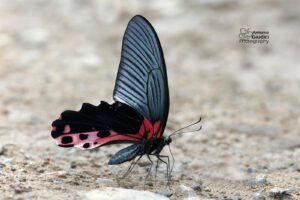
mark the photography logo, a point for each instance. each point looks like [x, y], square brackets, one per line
[254, 37]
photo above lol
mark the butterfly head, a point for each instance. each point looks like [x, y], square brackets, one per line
[168, 140]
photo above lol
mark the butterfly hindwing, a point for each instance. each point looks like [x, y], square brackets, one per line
[142, 77]
[94, 126]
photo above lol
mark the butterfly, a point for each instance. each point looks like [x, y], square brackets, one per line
[140, 109]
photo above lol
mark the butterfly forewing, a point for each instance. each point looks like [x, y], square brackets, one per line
[142, 77]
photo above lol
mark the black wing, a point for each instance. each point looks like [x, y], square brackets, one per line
[142, 76]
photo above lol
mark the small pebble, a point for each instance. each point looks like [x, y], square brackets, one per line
[35, 36]
[91, 60]
[185, 191]
[197, 188]
[192, 198]
[110, 193]
[261, 180]
[165, 193]
[20, 188]
[280, 192]
[206, 189]
[258, 196]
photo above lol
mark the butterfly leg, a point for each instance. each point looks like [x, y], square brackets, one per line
[167, 163]
[160, 157]
[173, 160]
[156, 167]
[132, 165]
[149, 171]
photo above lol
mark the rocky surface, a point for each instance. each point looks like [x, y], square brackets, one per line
[55, 55]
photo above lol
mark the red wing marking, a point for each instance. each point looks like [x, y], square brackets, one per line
[156, 127]
[151, 130]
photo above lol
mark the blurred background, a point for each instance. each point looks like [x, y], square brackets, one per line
[55, 55]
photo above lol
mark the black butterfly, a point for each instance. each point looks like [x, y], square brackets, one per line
[140, 111]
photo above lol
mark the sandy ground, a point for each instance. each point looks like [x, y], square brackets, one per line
[55, 55]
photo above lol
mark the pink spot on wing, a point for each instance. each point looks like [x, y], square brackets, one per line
[67, 128]
[76, 141]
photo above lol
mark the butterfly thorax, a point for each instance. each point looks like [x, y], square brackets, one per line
[154, 145]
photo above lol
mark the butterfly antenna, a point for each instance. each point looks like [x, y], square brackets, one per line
[178, 131]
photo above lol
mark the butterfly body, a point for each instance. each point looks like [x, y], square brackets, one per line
[145, 147]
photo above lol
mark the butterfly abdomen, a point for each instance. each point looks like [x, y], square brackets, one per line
[126, 154]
